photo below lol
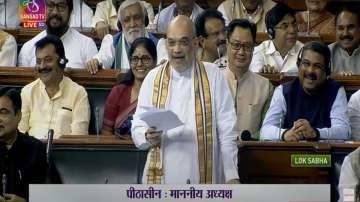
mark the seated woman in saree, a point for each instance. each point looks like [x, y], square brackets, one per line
[316, 18]
[122, 100]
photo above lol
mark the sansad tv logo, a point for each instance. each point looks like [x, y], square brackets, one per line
[32, 13]
[31, 6]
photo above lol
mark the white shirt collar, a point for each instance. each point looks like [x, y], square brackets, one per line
[345, 53]
[271, 49]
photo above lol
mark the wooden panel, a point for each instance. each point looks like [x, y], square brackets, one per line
[259, 162]
[93, 140]
[21, 76]
[270, 162]
[107, 78]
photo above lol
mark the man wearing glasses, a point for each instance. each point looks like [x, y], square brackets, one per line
[210, 29]
[78, 47]
[279, 53]
[311, 107]
[251, 92]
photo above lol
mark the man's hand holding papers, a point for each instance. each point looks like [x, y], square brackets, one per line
[159, 121]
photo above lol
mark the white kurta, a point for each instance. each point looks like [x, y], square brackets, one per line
[266, 54]
[8, 52]
[349, 175]
[12, 13]
[86, 15]
[78, 49]
[179, 145]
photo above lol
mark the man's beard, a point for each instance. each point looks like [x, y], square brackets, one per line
[131, 35]
[57, 31]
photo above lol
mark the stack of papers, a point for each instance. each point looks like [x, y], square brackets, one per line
[161, 119]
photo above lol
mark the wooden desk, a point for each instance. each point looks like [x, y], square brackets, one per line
[18, 76]
[91, 159]
[97, 160]
[93, 140]
[270, 163]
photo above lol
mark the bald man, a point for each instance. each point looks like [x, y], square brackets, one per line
[204, 149]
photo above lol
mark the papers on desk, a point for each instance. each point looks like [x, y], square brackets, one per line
[162, 119]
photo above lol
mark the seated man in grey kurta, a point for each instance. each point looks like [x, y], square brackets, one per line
[345, 51]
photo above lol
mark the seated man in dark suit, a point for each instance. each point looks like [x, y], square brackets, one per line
[22, 157]
[312, 106]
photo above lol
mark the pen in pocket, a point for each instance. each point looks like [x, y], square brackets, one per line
[66, 108]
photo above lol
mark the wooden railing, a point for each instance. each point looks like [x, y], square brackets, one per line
[21, 76]
[107, 77]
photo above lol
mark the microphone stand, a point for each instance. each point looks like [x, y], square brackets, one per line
[81, 18]
[157, 20]
[5, 21]
[49, 155]
[97, 126]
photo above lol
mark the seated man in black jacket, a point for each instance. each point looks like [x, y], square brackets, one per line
[22, 157]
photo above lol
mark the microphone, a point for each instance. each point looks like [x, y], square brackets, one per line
[233, 9]
[279, 131]
[4, 182]
[49, 145]
[221, 65]
[157, 20]
[81, 18]
[97, 119]
[246, 136]
[5, 21]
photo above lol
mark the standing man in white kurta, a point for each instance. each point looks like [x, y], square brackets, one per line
[204, 149]
[78, 48]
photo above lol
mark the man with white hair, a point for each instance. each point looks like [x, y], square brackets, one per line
[114, 49]
[106, 18]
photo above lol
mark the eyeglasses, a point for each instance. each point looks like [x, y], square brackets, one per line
[61, 7]
[248, 47]
[286, 25]
[144, 60]
[307, 64]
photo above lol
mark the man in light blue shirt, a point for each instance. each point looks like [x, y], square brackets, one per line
[311, 107]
